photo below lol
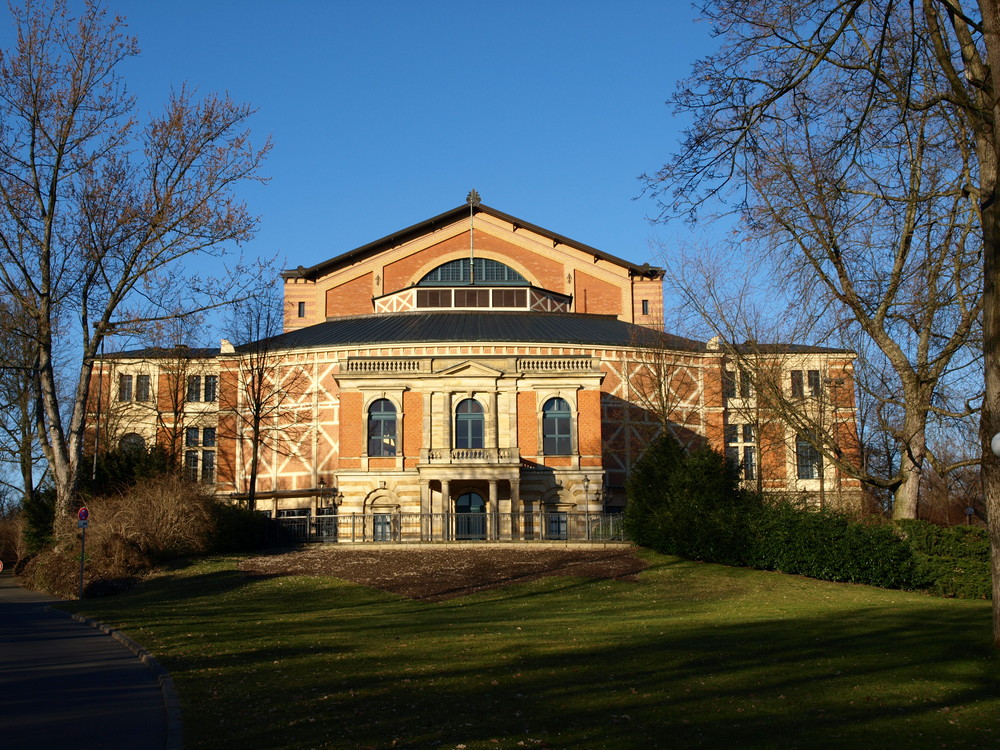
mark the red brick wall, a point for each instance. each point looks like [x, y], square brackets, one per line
[352, 425]
[350, 298]
[413, 408]
[527, 423]
[774, 451]
[589, 427]
[595, 296]
[541, 270]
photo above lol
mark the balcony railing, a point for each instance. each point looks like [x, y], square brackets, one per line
[449, 527]
[473, 455]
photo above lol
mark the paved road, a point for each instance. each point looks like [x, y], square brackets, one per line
[64, 684]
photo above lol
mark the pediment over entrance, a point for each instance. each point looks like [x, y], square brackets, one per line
[470, 369]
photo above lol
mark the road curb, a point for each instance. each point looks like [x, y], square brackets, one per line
[171, 703]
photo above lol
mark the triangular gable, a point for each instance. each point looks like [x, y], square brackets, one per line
[470, 369]
[441, 221]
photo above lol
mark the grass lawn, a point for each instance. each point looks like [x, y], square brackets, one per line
[691, 655]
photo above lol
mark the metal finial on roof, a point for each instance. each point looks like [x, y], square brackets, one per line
[473, 200]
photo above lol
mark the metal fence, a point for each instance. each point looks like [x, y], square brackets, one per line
[449, 527]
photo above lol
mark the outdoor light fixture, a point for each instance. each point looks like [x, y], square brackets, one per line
[995, 445]
[586, 488]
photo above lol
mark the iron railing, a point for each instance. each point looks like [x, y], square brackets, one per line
[449, 527]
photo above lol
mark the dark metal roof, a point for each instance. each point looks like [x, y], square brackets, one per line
[467, 327]
[750, 348]
[449, 217]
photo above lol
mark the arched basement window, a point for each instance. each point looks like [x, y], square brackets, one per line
[131, 442]
[469, 424]
[382, 428]
[556, 427]
[486, 271]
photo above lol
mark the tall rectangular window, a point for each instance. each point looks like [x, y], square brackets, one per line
[208, 437]
[808, 460]
[208, 466]
[194, 388]
[749, 462]
[645, 307]
[302, 309]
[812, 378]
[191, 465]
[741, 448]
[211, 388]
[797, 387]
[191, 436]
[142, 389]
[746, 384]
[124, 387]
[728, 384]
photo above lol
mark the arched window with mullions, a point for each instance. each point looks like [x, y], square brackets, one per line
[556, 428]
[382, 428]
[469, 424]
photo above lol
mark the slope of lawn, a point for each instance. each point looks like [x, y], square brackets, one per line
[690, 655]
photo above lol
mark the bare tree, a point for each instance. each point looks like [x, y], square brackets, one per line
[98, 214]
[18, 444]
[265, 386]
[867, 91]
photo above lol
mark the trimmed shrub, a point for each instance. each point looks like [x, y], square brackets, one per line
[830, 546]
[951, 560]
[237, 528]
[959, 542]
[691, 505]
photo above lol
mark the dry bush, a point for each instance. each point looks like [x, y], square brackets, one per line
[159, 518]
[10, 540]
[156, 520]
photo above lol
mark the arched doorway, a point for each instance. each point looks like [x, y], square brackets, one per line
[470, 516]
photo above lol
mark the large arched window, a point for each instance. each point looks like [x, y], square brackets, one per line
[382, 428]
[484, 271]
[556, 428]
[469, 424]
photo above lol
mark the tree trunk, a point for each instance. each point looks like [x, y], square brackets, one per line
[254, 464]
[990, 420]
[912, 458]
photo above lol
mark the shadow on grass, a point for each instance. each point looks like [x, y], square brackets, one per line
[573, 663]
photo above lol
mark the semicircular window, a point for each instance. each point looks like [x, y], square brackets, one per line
[484, 271]
[131, 442]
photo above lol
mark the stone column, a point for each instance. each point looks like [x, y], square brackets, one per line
[492, 422]
[445, 509]
[516, 508]
[493, 517]
[447, 421]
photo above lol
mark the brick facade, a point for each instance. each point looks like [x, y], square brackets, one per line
[468, 412]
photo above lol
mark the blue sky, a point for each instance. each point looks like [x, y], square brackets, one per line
[386, 113]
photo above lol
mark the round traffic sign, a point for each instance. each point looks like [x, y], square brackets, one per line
[83, 514]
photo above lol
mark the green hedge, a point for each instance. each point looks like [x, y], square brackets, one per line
[952, 560]
[830, 546]
[691, 505]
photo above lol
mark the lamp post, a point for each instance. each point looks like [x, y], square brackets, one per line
[586, 491]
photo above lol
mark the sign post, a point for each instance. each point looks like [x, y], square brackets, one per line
[83, 517]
